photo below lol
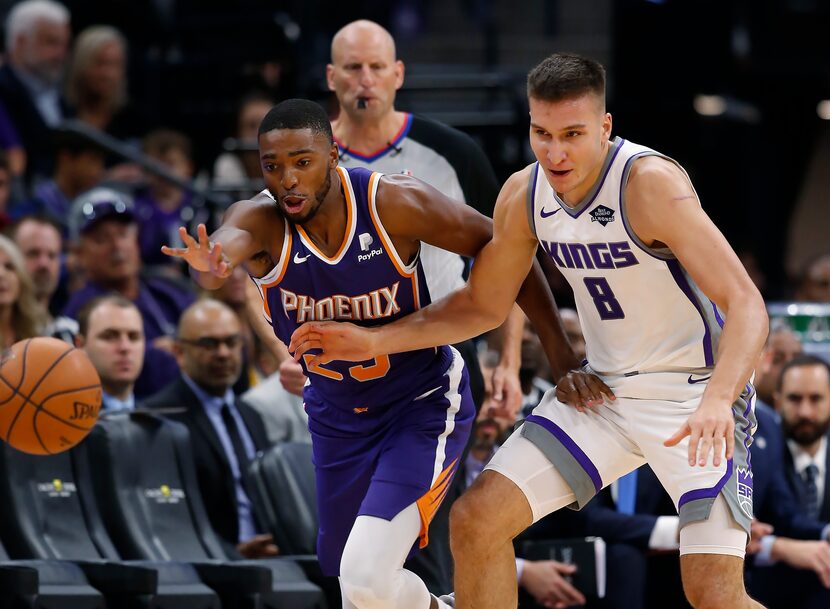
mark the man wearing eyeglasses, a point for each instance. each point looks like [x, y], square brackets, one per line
[225, 434]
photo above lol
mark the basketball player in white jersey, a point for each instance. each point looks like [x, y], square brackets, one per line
[672, 323]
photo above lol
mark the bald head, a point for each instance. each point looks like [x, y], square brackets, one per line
[364, 72]
[359, 33]
[209, 345]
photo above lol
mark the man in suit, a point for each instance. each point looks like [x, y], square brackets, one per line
[37, 45]
[225, 433]
[801, 577]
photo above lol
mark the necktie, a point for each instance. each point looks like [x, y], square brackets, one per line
[627, 493]
[236, 440]
[811, 496]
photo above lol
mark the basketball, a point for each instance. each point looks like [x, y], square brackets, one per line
[50, 395]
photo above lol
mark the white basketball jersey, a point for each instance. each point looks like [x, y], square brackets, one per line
[639, 309]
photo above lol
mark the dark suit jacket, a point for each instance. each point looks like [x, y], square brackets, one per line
[797, 484]
[34, 133]
[775, 498]
[212, 466]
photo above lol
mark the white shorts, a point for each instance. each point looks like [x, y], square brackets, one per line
[592, 449]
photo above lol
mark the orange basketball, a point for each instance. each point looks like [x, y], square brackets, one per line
[50, 395]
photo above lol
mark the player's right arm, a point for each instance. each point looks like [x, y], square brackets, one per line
[241, 236]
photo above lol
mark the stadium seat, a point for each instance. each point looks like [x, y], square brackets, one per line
[50, 514]
[149, 496]
[284, 494]
[43, 584]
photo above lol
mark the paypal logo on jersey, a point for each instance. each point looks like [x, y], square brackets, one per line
[366, 240]
[616, 255]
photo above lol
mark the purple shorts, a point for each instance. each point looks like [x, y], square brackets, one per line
[378, 463]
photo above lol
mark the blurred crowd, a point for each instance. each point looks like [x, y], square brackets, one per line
[80, 260]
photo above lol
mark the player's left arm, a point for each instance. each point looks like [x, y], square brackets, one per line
[663, 209]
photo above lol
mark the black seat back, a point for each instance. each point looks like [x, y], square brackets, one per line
[49, 510]
[147, 489]
[284, 493]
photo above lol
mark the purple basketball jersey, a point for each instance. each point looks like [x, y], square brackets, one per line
[365, 283]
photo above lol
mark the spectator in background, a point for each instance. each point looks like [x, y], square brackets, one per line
[163, 207]
[803, 400]
[10, 144]
[111, 333]
[79, 166]
[815, 281]
[534, 370]
[39, 240]
[225, 433]
[20, 315]
[782, 345]
[37, 44]
[281, 410]
[105, 237]
[96, 83]
[5, 191]
[241, 169]
[233, 293]
[97, 90]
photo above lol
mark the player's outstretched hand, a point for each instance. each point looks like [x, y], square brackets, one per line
[336, 340]
[583, 390]
[709, 428]
[203, 255]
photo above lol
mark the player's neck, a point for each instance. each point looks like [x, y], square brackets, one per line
[367, 136]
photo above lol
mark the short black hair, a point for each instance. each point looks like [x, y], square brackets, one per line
[297, 114]
[801, 361]
[89, 308]
[564, 76]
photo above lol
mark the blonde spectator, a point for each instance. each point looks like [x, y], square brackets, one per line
[96, 84]
[20, 315]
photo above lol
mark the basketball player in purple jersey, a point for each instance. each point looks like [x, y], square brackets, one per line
[327, 243]
[673, 324]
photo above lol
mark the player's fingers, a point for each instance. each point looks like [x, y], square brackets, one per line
[718, 446]
[567, 393]
[189, 242]
[678, 435]
[584, 395]
[201, 232]
[498, 386]
[730, 441]
[176, 252]
[704, 446]
[599, 391]
[604, 389]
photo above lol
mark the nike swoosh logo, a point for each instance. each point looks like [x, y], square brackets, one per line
[700, 380]
[548, 214]
[430, 392]
[298, 260]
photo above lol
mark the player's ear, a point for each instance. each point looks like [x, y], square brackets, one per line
[399, 74]
[334, 155]
[79, 341]
[606, 125]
